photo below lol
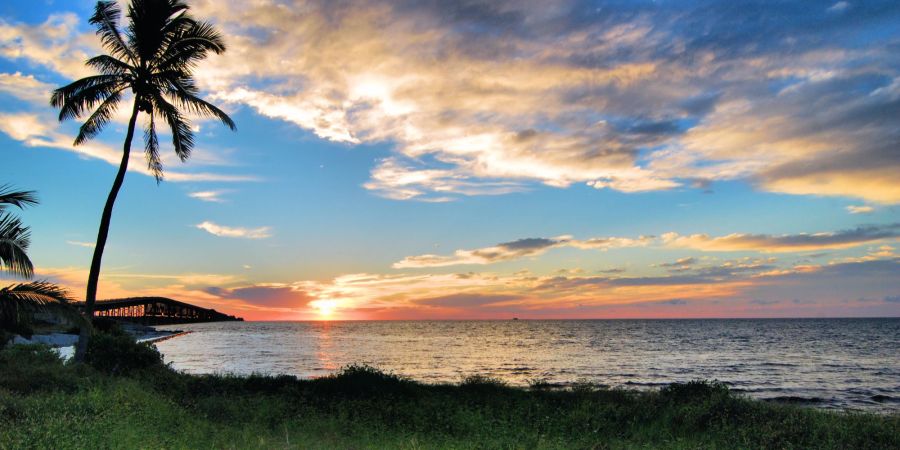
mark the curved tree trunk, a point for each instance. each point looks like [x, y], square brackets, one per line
[94, 276]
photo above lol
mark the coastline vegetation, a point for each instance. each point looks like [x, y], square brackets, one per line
[125, 397]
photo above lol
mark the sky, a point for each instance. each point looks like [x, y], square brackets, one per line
[478, 160]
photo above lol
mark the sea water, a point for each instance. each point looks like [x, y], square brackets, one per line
[828, 363]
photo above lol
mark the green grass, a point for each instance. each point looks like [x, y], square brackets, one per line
[45, 403]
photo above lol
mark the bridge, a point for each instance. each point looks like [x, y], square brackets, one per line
[156, 311]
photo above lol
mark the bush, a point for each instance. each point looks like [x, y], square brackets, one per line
[107, 325]
[694, 391]
[30, 354]
[121, 354]
[359, 381]
[28, 368]
[482, 384]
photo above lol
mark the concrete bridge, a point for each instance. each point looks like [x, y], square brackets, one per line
[156, 311]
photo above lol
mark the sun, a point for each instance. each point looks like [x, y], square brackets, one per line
[324, 307]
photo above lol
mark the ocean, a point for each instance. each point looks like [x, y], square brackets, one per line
[827, 363]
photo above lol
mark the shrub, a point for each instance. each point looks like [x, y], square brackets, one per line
[121, 355]
[30, 368]
[361, 381]
[483, 384]
[30, 354]
[540, 384]
[107, 325]
[694, 391]
[482, 380]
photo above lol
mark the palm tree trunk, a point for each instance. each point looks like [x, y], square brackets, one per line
[94, 275]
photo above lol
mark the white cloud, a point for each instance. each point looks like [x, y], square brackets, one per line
[81, 244]
[860, 209]
[25, 87]
[209, 196]
[839, 6]
[61, 47]
[235, 232]
[522, 248]
[631, 104]
[35, 130]
[56, 43]
[783, 243]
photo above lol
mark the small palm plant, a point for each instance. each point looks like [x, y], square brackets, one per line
[19, 302]
[153, 57]
[14, 237]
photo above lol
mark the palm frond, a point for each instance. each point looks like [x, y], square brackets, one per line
[99, 118]
[182, 135]
[190, 46]
[82, 95]
[106, 19]
[190, 102]
[19, 301]
[147, 25]
[109, 65]
[151, 149]
[19, 199]
[14, 241]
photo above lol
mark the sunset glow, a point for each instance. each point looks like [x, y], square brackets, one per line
[324, 308]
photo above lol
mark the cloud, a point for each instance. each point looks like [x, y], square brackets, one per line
[209, 196]
[621, 97]
[55, 43]
[532, 247]
[839, 6]
[61, 46]
[271, 295]
[34, 130]
[517, 249]
[892, 299]
[673, 302]
[783, 243]
[463, 300]
[235, 232]
[745, 287]
[680, 263]
[395, 180]
[489, 98]
[506, 251]
[860, 209]
[25, 87]
[81, 244]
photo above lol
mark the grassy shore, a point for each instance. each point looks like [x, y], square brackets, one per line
[141, 403]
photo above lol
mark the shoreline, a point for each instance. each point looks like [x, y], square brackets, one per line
[64, 343]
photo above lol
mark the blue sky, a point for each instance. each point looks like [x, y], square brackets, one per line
[472, 160]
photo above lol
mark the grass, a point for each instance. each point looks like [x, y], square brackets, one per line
[45, 403]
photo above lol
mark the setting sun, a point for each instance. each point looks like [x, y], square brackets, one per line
[324, 308]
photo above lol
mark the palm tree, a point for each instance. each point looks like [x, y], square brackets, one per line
[14, 237]
[19, 302]
[153, 56]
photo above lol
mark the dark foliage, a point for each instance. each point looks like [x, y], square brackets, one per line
[107, 326]
[119, 354]
[30, 368]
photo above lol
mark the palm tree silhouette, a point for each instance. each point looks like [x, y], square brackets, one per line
[19, 301]
[14, 237]
[153, 56]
